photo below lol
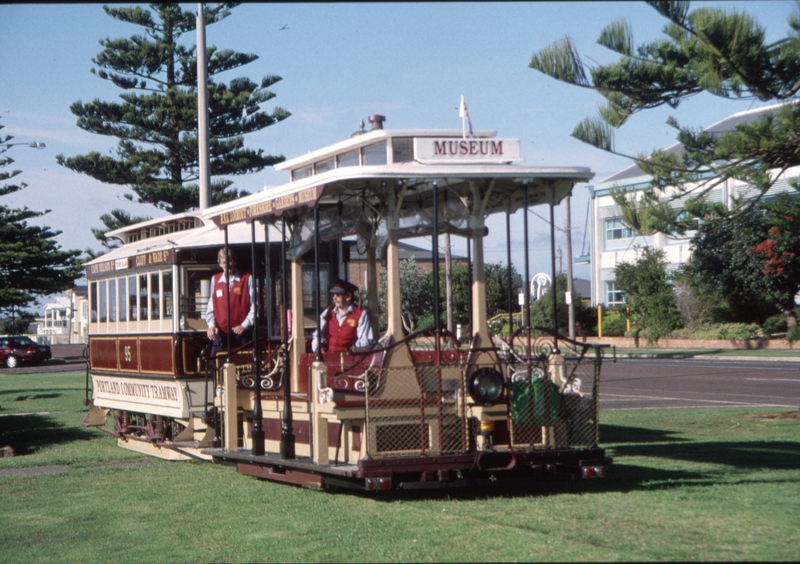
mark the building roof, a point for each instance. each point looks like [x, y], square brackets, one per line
[726, 124]
[406, 252]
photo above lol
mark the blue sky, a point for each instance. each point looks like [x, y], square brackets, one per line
[341, 63]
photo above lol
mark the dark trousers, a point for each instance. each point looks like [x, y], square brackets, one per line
[221, 341]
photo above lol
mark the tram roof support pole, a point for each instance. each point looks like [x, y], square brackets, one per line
[287, 433]
[509, 279]
[258, 417]
[554, 286]
[316, 292]
[228, 281]
[267, 280]
[435, 255]
[525, 286]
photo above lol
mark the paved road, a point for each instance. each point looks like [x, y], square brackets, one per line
[682, 383]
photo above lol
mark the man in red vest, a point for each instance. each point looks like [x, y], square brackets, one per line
[242, 304]
[343, 325]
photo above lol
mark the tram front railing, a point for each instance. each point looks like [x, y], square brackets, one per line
[551, 402]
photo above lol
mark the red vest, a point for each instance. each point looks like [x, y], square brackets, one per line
[240, 301]
[342, 337]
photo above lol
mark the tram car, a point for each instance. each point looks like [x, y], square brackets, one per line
[410, 411]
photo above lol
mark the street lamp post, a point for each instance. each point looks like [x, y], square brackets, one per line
[32, 145]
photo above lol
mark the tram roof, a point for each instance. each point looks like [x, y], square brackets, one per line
[429, 161]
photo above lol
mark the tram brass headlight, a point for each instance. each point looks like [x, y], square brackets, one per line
[486, 386]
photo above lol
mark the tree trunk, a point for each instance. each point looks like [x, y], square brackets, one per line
[791, 319]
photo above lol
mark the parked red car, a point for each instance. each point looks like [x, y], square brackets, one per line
[14, 350]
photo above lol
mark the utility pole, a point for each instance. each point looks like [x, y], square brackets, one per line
[202, 111]
[570, 301]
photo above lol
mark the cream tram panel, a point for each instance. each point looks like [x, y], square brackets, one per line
[169, 398]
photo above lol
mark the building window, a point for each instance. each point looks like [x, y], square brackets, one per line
[614, 297]
[615, 229]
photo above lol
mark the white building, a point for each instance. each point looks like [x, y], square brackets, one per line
[613, 242]
[65, 319]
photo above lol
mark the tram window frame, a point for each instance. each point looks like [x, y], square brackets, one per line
[308, 289]
[303, 172]
[144, 308]
[167, 292]
[93, 305]
[122, 293]
[193, 308]
[154, 296]
[103, 301]
[133, 297]
[374, 155]
[402, 149]
[112, 300]
[348, 158]
[325, 165]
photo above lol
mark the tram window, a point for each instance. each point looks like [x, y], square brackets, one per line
[325, 166]
[143, 297]
[304, 172]
[112, 300]
[351, 158]
[308, 287]
[402, 150]
[198, 283]
[123, 299]
[166, 281]
[375, 154]
[155, 296]
[103, 302]
[94, 302]
[134, 308]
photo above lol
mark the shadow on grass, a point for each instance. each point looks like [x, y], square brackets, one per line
[28, 433]
[618, 434]
[752, 455]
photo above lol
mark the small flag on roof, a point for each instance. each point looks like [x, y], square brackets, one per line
[463, 113]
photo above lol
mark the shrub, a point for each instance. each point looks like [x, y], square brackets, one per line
[614, 324]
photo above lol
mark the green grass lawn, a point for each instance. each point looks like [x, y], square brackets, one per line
[685, 485]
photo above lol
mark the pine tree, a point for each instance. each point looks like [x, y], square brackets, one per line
[31, 261]
[721, 52]
[156, 121]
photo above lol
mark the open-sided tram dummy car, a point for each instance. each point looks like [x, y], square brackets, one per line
[419, 410]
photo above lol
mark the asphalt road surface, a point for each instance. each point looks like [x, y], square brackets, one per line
[682, 383]
[629, 383]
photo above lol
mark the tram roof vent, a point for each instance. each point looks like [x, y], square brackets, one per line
[377, 121]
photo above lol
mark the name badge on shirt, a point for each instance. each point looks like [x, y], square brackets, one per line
[219, 293]
[351, 322]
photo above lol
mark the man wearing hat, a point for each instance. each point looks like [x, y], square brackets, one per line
[343, 325]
